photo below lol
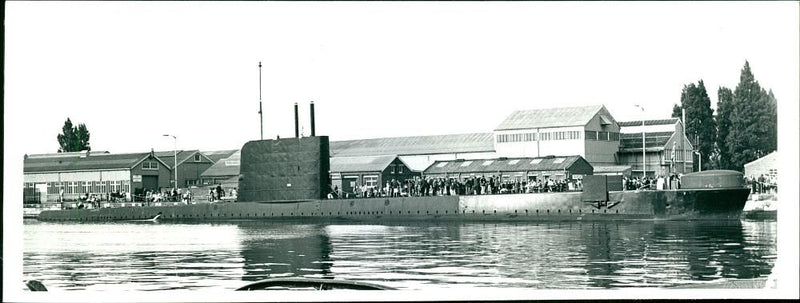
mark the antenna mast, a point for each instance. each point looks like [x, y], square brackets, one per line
[260, 112]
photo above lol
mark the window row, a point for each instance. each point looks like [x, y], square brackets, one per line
[150, 165]
[601, 136]
[547, 136]
[395, 168]
[88, 187]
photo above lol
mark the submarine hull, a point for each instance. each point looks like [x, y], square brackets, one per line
[661, 204]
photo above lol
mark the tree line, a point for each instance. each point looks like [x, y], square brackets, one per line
[744, 128]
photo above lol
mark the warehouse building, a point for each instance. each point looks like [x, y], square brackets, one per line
[225, 171]
[53, 178]
[667, 150]
[514, 169]
[588, 131]
[418, 152]
[372, 171]
[191, 164]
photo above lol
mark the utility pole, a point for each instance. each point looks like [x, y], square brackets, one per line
[644, 163]
[260, 112]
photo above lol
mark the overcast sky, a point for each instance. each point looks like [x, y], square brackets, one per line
[135, 71]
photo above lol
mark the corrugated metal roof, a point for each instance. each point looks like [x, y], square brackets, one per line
[652, 141]
[549, 117]
[216, 155]
[440, 144]
[361, 163]
[648, 122]
[502, 165]
[76, 162]
[225, 167]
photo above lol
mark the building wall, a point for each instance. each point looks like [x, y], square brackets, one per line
[47, 187]
[163, 172]
[189, 172]
[538, 142]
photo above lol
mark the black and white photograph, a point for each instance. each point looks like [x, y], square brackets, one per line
[383, 151]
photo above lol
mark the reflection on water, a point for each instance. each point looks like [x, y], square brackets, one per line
[414, 255]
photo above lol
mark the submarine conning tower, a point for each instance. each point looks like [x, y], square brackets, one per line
[285, 169]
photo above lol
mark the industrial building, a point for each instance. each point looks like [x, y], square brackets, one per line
[53, 178]
[418, 152]
[372, 171]
[588, 131]
[191, 163]
[667, 150]
[514, 169]
[223, 171]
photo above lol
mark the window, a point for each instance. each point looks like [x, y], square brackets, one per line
[191, 182]
[602, 136]
[196, 157]
[513, 162]
[150, 165]
[371, 181]
[536, 161]
[558, 160]
[487, 162]
[591, 135]
[391, 168]
[441, 164]
[232, 163]
[399, 168]
[466, 163]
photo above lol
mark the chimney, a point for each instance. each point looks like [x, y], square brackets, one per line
[296, 125]
[312, 120]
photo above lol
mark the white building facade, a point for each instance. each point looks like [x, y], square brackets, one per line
[588, 131]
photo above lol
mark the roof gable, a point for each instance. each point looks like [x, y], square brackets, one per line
[229, 166]
[216, 155]
[550, 117]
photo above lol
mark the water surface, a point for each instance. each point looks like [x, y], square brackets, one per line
[413, 255]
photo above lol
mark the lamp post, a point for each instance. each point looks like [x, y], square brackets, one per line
[644, 163]
[175, 160]
[699, 161]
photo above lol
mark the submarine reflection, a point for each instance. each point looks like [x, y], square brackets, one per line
[421, 255]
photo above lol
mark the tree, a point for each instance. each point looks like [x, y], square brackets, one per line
[753, 129]
[677, 112]
[73, 138]
[724, 109]
[700, 125]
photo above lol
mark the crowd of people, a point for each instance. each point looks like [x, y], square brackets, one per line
[218, 194]
[441, 186]
[763, 184]
[168, 195]
[661, 182]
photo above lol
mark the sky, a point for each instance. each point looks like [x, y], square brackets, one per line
[134, 71]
